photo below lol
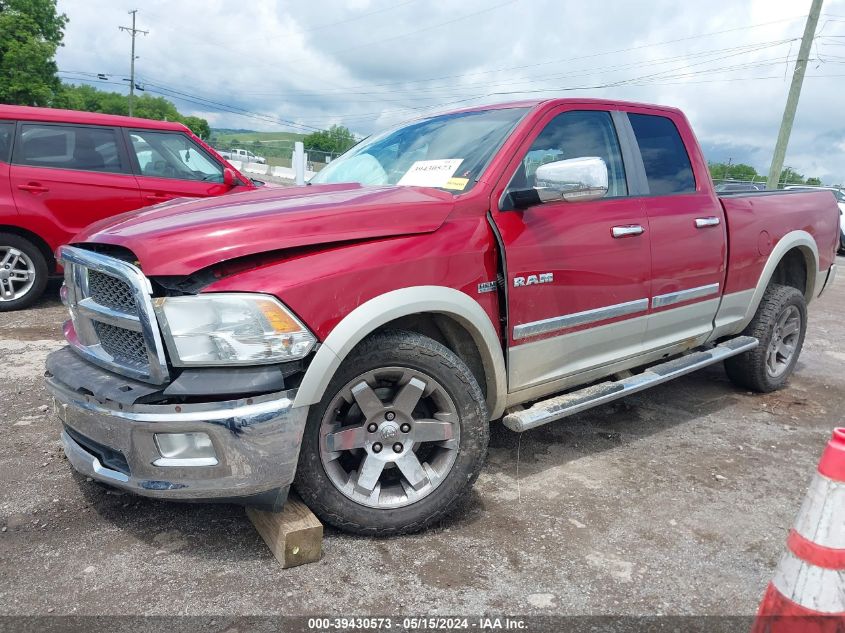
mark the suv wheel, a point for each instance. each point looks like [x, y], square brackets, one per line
[23, 272]
[399, 437]
[779, 324]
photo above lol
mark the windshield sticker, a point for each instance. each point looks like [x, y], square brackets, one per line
[430, 173]
[458, 184]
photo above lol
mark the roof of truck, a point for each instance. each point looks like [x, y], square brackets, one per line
[532, 103]
[57, 115]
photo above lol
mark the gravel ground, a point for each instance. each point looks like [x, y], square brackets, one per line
[673, 501]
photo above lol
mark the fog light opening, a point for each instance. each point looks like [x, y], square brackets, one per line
[185, 449]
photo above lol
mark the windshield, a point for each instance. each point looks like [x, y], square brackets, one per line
[448, 152]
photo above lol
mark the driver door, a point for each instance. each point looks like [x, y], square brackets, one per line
[578, 273]
[171, 165]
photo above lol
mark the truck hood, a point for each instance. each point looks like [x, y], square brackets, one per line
[186, 235]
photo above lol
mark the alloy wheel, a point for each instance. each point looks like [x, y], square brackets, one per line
[389, 437]
[17, 273]
[784, 341]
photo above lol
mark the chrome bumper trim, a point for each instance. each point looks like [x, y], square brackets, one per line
[256, 440]
[87, 464]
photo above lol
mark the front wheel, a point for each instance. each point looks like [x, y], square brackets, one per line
[399, 437]
[779, 324]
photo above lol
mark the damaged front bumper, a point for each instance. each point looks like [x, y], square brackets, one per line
[255, 442]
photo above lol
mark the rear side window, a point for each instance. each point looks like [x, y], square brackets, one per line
[69, 147]
[667, 165]
[7, 133]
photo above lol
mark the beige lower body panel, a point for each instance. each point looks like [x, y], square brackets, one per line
[547, 366]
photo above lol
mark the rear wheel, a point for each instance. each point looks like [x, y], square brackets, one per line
[399, 437]
[23, 272]
[779, 324]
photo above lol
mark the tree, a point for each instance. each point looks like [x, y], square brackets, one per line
[30, 33]
[336, 140]
[739, 171]
[790, 176]
[198, 126]
[814, 181]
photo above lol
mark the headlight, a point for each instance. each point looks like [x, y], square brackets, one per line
[231, 329]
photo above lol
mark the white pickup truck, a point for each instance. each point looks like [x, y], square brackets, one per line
[242, 154]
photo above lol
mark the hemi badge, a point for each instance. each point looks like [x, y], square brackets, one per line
[486, 286]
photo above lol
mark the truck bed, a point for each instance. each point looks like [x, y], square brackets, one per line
[757, 220]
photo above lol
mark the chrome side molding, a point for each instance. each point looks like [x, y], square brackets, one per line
[553, 324]
[671, 298]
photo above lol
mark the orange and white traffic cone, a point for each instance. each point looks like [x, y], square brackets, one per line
[807, 594]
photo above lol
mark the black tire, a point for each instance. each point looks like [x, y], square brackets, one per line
[750, 369]
[420, 354]
[10, 240]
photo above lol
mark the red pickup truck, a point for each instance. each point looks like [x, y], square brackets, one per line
[61, 170]
[356, 337]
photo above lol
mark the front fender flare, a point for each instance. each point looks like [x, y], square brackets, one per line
[380, 310]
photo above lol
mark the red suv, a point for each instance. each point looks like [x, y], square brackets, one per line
[61, 170]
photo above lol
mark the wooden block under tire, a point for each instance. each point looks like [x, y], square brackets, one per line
[294, 535]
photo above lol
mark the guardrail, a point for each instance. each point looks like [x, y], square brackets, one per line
[286, 173]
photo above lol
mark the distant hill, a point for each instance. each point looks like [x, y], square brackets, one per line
[226, 136]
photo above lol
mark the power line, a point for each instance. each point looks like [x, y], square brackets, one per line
[627, 81]
[197, 100]
[575, 58]
[357, 17]
[450, 90]
[440, 92]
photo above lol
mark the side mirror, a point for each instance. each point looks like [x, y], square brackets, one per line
[229, 178]
[573, 180]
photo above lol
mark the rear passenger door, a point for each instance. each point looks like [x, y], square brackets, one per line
[171, 165]
[64, 177]
[687, 226]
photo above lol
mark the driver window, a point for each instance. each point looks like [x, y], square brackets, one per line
[575, 134]
[173, 155]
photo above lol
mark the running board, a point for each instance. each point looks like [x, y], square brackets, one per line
[576, 401]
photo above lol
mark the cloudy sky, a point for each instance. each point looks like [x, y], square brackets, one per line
[368, 64]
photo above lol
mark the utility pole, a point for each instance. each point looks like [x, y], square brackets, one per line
[133, 32]
[794, 93]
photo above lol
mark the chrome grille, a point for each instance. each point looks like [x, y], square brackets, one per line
[125, 346]
[110, 291]
[113, 323]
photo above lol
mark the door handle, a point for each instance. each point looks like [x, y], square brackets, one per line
[158, 197]
[703, 223]
[631, 230]
[34, 187]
